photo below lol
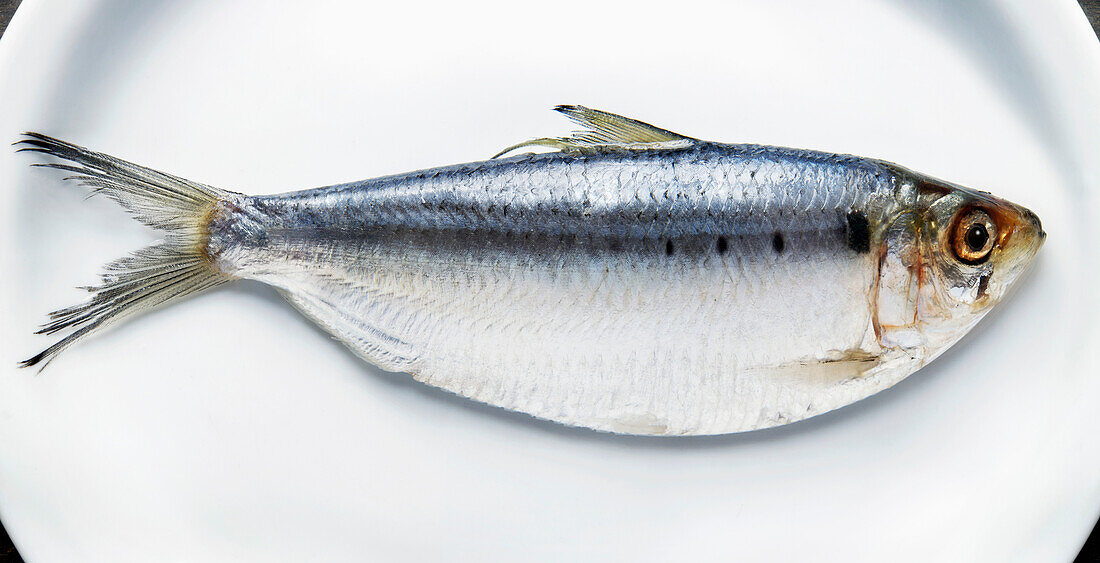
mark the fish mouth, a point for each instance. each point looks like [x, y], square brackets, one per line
[1031, 220]
[1038, 236]
[1035, 223]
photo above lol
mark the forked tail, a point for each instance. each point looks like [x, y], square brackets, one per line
[156, 275]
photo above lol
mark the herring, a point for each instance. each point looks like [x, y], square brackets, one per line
[635, 281]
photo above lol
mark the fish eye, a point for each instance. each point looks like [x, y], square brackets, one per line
[973, 236]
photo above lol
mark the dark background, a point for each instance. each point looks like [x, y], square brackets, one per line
[1089, 553]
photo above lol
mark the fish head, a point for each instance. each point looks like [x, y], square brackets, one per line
[972, 248]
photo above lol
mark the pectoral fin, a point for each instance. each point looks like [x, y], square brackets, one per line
[606, 132]
[833, 369]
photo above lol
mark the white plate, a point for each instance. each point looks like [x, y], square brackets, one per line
[229, 428]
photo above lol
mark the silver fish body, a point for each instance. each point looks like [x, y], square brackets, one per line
[714, 289]
[695, 289]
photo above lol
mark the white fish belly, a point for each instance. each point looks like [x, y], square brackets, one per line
[634, 344]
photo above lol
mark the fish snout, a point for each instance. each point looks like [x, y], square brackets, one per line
[1036, 223]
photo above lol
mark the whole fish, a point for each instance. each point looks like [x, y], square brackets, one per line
[634, 281]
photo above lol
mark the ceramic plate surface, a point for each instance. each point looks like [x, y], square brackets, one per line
[229, 428]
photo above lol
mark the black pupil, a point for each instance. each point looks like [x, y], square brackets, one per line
[976, 237]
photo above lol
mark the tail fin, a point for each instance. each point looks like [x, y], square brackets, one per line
[153, 276]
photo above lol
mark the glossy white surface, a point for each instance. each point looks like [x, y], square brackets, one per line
[229, 428]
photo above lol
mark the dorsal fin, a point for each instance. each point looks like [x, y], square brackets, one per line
[606, 132]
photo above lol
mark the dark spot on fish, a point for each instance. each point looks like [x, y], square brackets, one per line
[615, 245]
[859, 232]
[669, 248]
[983, 284]
[778, 243]
[723, 245]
